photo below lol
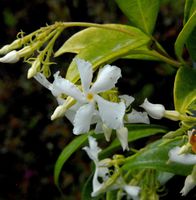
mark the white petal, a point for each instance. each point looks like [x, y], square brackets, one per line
[186, 159]
[97, 186]
[132, 191]
[107, 78]
[71, 112]
[93, 149]
[107, 132]
[11, 57]
[127, 99]
[111, 113]
[82, 120]
[86, 73]
[156, 111]
[122, 135]
[138, 117]
[63, 86]
[189, 184]
[40, 78]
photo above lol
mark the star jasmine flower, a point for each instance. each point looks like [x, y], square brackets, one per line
[132, 191]
[100, 171]
[156, 111]
[111, 113]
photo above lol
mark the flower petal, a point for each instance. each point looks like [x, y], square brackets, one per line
[86, 73]
[138, 117]
[107, 78]
[63, 86]
[40, 78]
[127, 99]
[93, 149]
[83, 118]
[111, 113]
[186, 159]
[132, 191]
[122, 135]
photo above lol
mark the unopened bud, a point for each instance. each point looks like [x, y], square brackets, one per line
[156, 111]
[11, 57]
[33, 70]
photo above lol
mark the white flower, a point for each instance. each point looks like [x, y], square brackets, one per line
[111, 113]
[175, 155]
[11, 57]
[100, 171]
[189, 184]
[156, 111]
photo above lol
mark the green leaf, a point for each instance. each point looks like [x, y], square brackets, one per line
[185, 34]
[184, 88]
[66, 153]
[190, 7]
[155, 156]
[106, 45]
[136, 131]
[141, 13]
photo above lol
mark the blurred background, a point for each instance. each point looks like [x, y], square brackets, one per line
[29, 141]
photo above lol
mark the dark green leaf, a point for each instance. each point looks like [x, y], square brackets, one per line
[141, 13]
[185, 34]
[66, 153]
[155, 156]
[136, 131]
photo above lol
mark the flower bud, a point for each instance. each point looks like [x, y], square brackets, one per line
[156, 111]
[33, 70]
[189, 184]
[11, 57]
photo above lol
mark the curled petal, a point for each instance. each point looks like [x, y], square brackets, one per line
[156, 111]
[138, 117]
[127, 99]
[111, 113]
[82, 120]
[186, 158]
[63, 86]
[86, 73]
[107, 78]
[93, 149]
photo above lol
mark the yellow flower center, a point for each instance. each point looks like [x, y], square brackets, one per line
[89, 96]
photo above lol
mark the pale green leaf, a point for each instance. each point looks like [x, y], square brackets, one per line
[141, 13]
[184, 88]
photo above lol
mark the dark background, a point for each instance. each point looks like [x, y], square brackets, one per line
[29, 142]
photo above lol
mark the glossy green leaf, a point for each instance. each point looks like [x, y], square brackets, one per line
[141, 13]
[184, 88]
[66, 153]
[155, 156]
[136, 131]
[190, 6]
[111, 43]
[185, 34]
